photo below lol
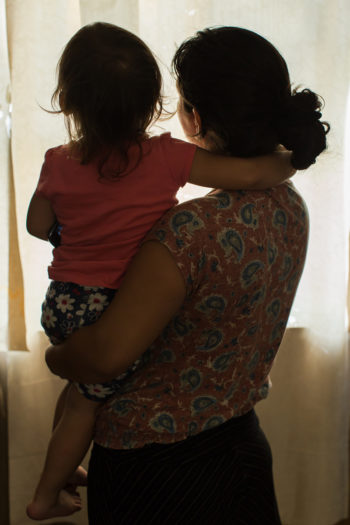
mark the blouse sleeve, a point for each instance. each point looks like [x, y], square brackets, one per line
[184, 231]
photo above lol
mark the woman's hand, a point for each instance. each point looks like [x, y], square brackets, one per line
[53, 358]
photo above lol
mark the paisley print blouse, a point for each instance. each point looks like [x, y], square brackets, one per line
[241, 254]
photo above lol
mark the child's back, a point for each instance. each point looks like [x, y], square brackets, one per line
[103, 220]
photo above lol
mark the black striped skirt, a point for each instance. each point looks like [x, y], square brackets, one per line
[220, 476]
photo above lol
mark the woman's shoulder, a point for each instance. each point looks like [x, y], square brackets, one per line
[212, 202]
[222, 210]
[188, 224]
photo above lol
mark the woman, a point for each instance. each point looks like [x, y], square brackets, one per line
[204, 306]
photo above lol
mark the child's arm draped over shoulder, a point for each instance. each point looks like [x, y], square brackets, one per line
[237, 173]
[152, 292]
[40, 217]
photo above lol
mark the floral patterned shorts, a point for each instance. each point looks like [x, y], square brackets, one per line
[69, 306]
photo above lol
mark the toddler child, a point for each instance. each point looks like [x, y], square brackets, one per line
[106, 188]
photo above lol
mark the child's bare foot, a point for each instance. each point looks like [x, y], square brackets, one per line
[79, 478]
[67, 503]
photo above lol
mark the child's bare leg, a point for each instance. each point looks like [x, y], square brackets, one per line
[60, 404]
[68, 445]
[79, 477]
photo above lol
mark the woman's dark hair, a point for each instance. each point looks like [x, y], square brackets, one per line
[109, 88]
[240, 86]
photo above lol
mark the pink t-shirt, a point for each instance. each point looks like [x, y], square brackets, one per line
[103, 221]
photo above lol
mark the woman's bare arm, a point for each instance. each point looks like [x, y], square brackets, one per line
[152, 292]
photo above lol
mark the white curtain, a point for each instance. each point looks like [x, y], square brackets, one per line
[4, 179]
[306, 415]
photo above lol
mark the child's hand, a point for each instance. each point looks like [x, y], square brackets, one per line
[284, 158]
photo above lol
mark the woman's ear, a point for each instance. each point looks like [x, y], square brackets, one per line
[197, 121]
[189, 119]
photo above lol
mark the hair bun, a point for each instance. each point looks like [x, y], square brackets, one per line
[300, 129]
[302, 107]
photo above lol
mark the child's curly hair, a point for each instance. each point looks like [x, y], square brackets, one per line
[109, 89]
